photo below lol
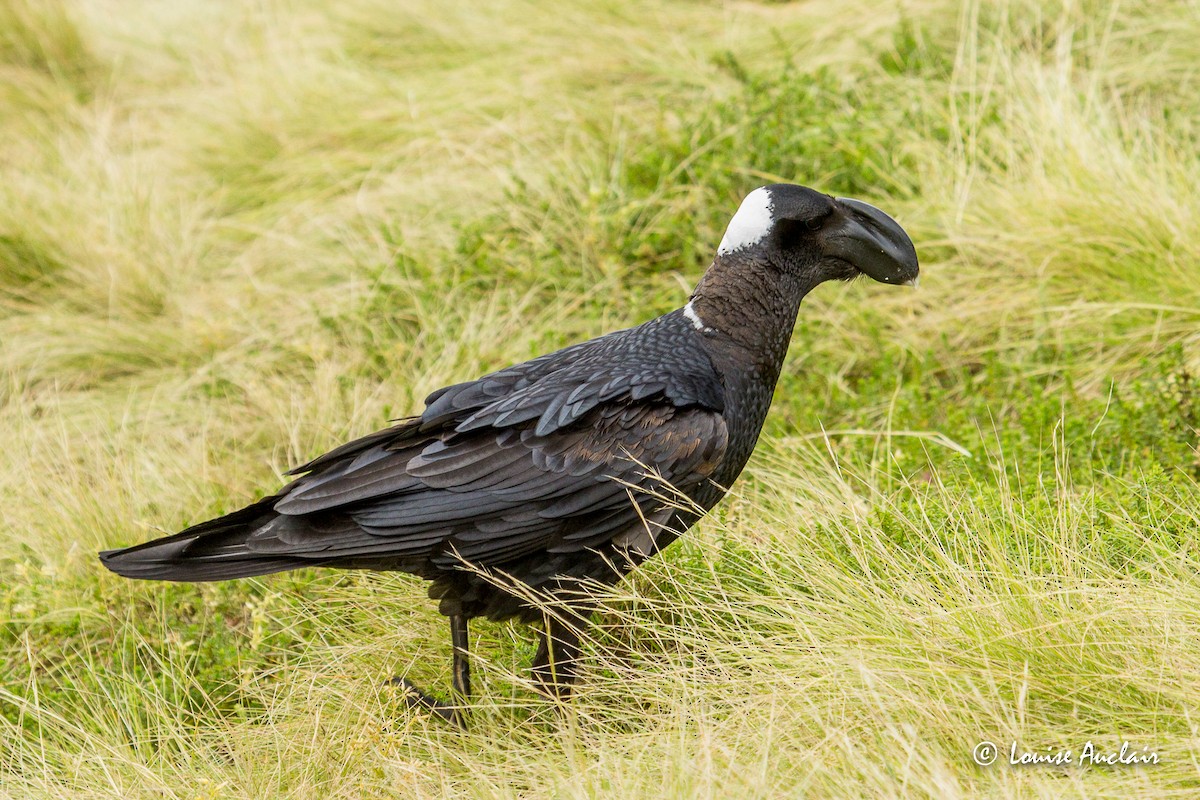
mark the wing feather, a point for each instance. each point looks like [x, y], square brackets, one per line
[562, 452]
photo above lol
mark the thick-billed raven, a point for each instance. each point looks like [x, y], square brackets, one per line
[513, 492]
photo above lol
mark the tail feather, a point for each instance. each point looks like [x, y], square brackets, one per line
[211, 551]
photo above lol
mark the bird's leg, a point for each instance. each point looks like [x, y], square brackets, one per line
[460, 674]
[415, 698]
[558, 652]
[461, 668]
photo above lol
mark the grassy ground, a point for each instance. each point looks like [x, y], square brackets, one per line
[235, 234]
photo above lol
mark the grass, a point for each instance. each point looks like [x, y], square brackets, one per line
[235, 234]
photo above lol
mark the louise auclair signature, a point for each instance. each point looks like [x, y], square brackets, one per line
[987, 753]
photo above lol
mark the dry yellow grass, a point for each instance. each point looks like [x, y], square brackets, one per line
[233, 234]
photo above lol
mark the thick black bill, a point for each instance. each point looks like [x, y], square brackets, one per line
[873, 243]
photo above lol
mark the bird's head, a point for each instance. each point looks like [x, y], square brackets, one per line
[806, 233]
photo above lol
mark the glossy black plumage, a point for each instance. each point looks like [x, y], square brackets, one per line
[536, 463]
[569, 468]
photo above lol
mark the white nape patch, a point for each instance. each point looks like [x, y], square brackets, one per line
[750, 224]
[690, 313]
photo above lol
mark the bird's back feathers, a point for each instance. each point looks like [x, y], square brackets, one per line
[568, 452]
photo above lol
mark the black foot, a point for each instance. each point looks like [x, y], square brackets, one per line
[416, 699]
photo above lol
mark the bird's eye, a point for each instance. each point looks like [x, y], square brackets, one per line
[813, 224]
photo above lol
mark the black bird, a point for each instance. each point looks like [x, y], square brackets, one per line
[512, 493]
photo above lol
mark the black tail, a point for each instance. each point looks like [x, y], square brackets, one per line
[211, 551]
